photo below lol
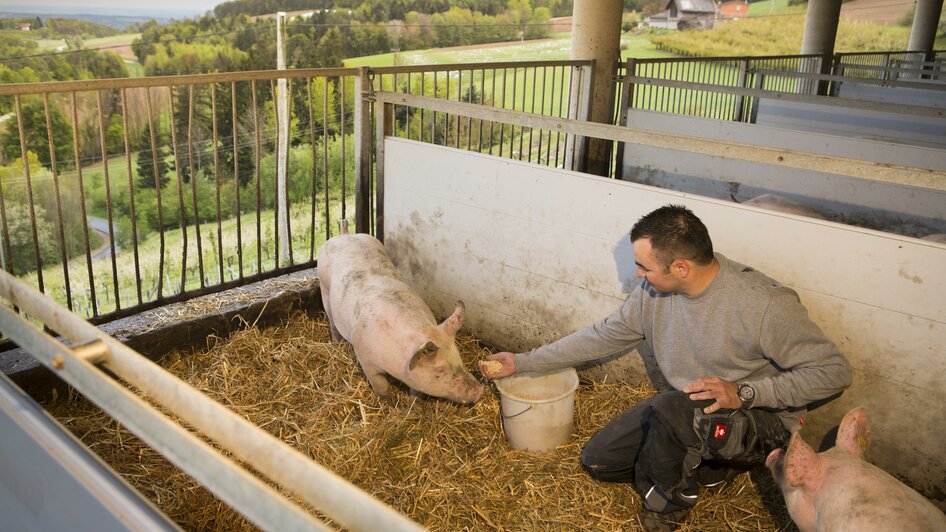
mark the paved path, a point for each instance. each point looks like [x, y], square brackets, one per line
[100, 226]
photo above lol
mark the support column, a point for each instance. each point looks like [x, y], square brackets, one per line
[821, 31]
[596, 34]
[925, 20]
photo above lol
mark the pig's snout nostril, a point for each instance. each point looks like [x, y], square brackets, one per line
[477, 395]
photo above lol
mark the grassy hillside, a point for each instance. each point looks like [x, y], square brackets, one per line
[779, 34]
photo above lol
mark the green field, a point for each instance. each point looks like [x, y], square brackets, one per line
[759, 9]
[114, 40]
[555, 49]
[50, 45]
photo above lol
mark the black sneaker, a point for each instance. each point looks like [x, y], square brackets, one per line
[661, 522]
[713, 475]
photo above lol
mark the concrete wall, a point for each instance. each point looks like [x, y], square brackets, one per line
[536, 253]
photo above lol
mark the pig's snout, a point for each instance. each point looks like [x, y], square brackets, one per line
[469, 389]
[473, 392]
[477, 394]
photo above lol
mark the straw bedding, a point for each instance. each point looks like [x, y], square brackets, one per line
[447, 466]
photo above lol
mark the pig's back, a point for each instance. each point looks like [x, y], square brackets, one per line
[864, 498]
[366, 288]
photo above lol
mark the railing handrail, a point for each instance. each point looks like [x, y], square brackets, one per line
[888, 52]
[915, 110]
[931, 179]
[402, 69]
[331, 494]
[652, 60]
[50, 87]
[854, 79]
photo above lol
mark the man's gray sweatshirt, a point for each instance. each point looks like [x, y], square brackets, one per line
[744, 327]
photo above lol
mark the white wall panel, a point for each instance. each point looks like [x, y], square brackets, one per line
[536, 253]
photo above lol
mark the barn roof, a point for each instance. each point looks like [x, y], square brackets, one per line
[694, 6]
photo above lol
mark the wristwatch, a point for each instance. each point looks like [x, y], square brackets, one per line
[746, 394]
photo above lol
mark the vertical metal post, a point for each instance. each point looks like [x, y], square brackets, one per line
[283, 132]
[383, 127]
[626, 102]
[741, 83]
[363, 95]
[180, 190]
[131, 193]
[579, 108]
[62, 230]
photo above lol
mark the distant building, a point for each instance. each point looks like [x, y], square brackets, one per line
[685, 15]
[733, 10]
[26, 26]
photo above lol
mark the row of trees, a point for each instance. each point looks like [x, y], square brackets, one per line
[22, 62]
[232, 42]
[380, 10]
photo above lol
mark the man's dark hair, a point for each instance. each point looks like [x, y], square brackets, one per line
[675, 233]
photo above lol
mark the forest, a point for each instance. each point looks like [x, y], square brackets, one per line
[76, 140]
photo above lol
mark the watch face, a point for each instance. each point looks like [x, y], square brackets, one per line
[746, 392]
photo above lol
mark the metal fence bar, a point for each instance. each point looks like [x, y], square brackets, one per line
[179, 170]
[157, 193]
[29, 190]
[108, 202]
[236, 175]
[336, 497]
[59, 214]
[780, 157]
[85, 219]
[315, 168]
[193, 179]
[131, 192]
[216, 158]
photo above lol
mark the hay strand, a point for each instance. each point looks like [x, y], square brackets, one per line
[447, 466]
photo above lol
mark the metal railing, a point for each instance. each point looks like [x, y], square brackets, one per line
[178, 171]
[545, 88]
[740, 72]
[129, 194]
[83, 366]
[696, 86]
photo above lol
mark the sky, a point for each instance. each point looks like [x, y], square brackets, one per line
[115, 7]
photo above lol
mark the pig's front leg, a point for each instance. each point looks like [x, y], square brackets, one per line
[376, 377]
[327, 306]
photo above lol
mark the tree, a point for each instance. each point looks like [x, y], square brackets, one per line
[330, 49]
[146, 175]
[37, 139]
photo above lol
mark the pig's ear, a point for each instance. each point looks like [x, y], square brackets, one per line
[854, 433]
[452, 324]
[424, 355]
[802, 464]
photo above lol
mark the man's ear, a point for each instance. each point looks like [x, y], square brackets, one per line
[681, 266]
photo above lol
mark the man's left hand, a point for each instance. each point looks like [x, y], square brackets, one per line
[725, 393]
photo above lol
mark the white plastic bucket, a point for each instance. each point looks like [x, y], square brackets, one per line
[538, 409]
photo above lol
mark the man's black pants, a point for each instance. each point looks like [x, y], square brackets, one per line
[656, 446]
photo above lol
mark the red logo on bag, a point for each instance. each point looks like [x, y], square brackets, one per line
[720, 431]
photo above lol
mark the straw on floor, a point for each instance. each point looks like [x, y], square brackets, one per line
[447, 466]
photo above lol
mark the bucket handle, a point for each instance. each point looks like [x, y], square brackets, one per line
[520, 413]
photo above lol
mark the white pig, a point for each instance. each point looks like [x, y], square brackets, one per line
[391, 329]
[840, 490]
[774, 202]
